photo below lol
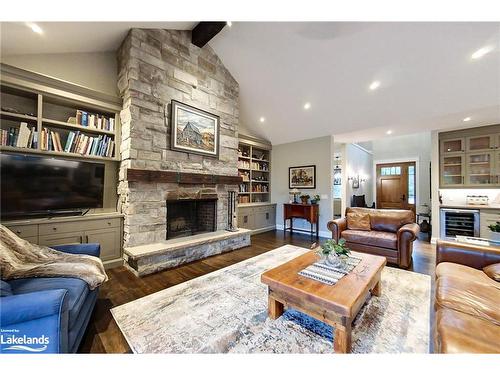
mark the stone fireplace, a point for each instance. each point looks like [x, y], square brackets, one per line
[156, 66]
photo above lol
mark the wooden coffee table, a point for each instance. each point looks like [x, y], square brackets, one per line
[336, 305]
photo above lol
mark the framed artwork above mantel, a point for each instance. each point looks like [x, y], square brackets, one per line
[302, 177]
[194, 130]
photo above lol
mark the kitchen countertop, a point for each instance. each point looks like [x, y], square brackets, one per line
[493, 206]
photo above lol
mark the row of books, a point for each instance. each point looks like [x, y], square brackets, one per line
[23, 137]
[77, 142]
[244, 199]
[95, 121]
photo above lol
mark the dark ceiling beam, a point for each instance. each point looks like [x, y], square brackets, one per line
[205, 31]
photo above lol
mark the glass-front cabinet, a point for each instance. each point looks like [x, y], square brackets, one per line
[452, 170]
[480, 168]
[470, 158]
[453, 145]
[481, 142]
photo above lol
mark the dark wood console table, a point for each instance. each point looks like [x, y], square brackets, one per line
[309, 212]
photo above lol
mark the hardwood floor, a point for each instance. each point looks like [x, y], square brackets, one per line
[103, 334]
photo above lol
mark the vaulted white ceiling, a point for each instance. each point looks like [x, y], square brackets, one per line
[427, 77]
[73, 37]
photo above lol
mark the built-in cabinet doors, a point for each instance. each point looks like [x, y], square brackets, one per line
[453, 170]
[453, 145]
[497, 161]
[480, 169]
[482, 143]
[109, 239]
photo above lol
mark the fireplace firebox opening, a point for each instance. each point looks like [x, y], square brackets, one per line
[186, 217]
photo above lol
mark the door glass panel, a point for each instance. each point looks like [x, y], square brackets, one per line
[479, 168]
[411, 184]
[452, 170]
[454, 145]
[480, 143]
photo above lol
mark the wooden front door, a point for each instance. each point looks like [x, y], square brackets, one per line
[396, 184]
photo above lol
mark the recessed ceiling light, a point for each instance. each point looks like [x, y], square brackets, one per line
[34, 27]
[388, 132]
[481, 52]
[467, 119]
[307, 105]
[262, 119]
[229, 23]
[374, 85]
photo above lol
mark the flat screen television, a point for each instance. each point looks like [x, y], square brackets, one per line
[44, 186]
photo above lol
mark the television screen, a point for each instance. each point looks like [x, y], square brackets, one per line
[37, 185]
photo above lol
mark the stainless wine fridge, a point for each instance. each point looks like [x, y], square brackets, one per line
[459, 222]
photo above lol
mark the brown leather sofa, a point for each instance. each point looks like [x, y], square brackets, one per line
[467, 300]
[390, 233]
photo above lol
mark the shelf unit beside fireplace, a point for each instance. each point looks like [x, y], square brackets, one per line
[254, 166]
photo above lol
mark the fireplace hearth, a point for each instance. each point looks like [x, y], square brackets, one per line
[186, 217]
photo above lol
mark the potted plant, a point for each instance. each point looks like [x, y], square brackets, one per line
[334, 253]
[495, 229]
[304, 198]
[315, 199]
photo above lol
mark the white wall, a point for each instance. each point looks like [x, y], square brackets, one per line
[358, 161]
[412, 147]
[97, 71]
[317, 151]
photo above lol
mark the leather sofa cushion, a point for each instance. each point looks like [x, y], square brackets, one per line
[358, 221]
[372, 238]
[493, 271]
[77, 291]
[462, 333]
[470, 297]
[385, 220]
[464, 272]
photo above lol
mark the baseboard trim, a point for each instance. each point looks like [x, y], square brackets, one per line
[113, 263]
[262, 230]
[322, 233]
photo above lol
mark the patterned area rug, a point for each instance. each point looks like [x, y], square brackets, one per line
[226, 312]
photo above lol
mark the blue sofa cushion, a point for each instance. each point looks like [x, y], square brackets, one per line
[77, 291]
[5, 289]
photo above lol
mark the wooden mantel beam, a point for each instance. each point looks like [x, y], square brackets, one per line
[205, 31]
[146, 175]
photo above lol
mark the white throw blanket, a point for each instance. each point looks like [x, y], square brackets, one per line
[22, 259]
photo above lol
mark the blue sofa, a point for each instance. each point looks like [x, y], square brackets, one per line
[46, 314]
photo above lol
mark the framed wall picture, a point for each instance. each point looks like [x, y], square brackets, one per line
[194, 130]
[355, 182]
[303, 177]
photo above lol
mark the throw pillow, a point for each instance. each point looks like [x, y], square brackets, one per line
[493, 271]
[358, 221]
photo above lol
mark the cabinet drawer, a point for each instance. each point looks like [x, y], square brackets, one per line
[24, 231]
[75, 226]
[71, 238]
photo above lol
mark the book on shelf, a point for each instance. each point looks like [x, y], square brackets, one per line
[80, 143]
[24, 137]
[244, 199]
[93, 120]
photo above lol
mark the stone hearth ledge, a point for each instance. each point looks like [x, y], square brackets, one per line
[146, 259]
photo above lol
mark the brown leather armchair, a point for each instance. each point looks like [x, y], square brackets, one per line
[391, 235]
[467, 299]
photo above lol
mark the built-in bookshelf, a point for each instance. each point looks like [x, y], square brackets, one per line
[254, 166]
[38, 119]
